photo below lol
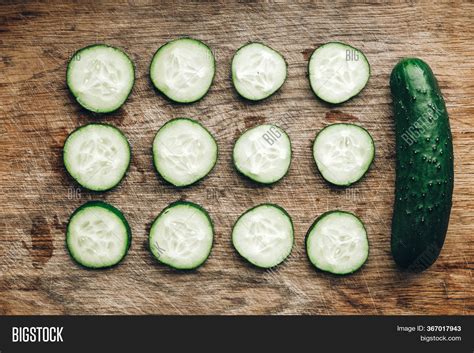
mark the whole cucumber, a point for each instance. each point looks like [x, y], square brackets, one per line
[424, 166]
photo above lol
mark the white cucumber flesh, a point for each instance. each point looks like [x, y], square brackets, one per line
[343, 153]
[337, 243]
[258, 71]
[263, 235]
[183, 70]
[338, 72]
[100, 77]
[184, 151]
[98, 235]
[182, 236]
[263, 154]
[97, 156]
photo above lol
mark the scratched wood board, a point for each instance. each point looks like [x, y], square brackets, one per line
[36, 195]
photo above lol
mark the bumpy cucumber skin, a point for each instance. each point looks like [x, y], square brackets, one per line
[72, 91]
[310, 230]
[198, 180]
[254, 181]
[109, 207]
[424, 169]
[309, 71]
[163, 93]
[232, 73]
[366, 170]
[292, 233]
[171, 205]
[126, 170]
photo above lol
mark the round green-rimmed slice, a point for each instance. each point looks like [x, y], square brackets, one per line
[184, 151]
[97, 156]
[182, 236]
[98, 235]
[338, 72]
[100, 77]
[337, 243]
[258, 71]
[343, 153]
[263, 235]
[183, 70]
[263, 154]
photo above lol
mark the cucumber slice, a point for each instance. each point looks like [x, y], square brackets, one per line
[184, 151]
[258, 71]
[338, 72]
[98, 235]
[337, 243]
[100, 77]
[97, 156]
[263, 154]
[182, 235]
[183, 70]
[263, 235]
[343, 153]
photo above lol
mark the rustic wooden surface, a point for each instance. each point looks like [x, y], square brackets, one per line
[36, 196]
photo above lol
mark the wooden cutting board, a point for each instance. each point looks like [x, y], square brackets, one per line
[36, 196]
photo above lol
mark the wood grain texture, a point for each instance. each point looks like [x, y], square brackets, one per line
[37, 197]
